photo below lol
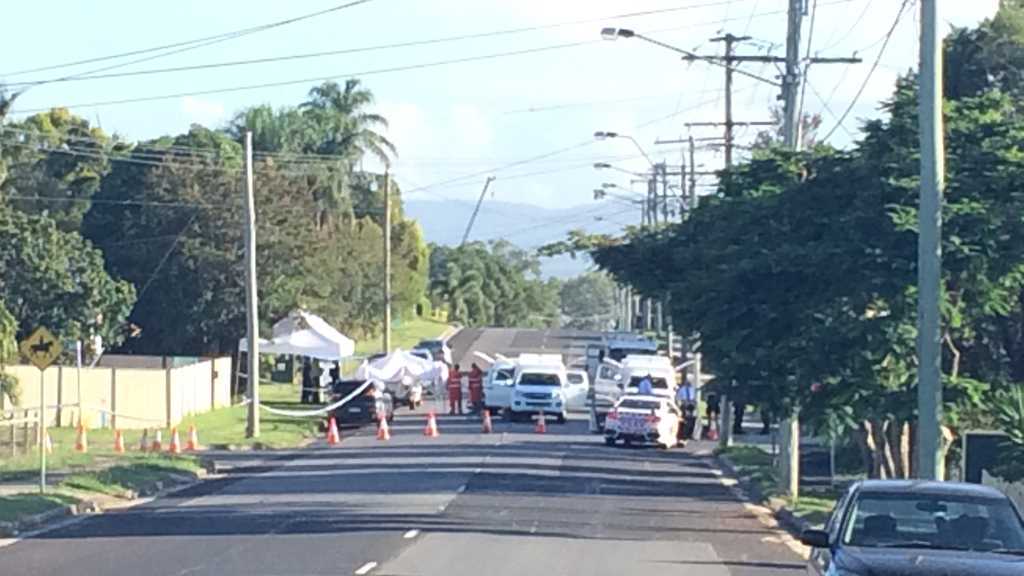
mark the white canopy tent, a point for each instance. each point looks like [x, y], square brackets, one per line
[305, 334]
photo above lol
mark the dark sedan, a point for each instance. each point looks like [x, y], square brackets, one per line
[916, 528]
[364, 408]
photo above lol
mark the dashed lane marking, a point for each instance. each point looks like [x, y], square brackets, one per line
[411, 534]
[461, 489]
[365, 568]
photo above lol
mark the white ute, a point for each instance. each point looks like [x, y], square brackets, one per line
[539, 386]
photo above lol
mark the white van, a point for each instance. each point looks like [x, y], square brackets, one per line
[658, 368]
[539, 385]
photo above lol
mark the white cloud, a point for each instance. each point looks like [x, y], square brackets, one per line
[200, 111]
[471, 127]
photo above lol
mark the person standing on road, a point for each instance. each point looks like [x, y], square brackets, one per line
[476, 389]
[307, 382]
[455, 391]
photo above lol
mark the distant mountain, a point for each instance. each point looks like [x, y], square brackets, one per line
[525, 225]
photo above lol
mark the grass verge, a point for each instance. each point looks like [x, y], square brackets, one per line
[754, 467]
[18, 506]
[404, 335]
[227, 426]
[139, 476]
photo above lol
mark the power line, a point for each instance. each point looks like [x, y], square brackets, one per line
[874, 66]
[92, 76]
[200, 42]
[856, 23]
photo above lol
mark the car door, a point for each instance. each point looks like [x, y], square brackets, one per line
[607, 383]
[820, 561]
[576, 387]
[498, 388]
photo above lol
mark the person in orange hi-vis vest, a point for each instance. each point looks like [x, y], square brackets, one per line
[455, 391]
[476, 388]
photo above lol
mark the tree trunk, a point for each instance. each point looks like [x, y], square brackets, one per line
[899, 447]
[868, 432]
[945, 443]
[882, 451]
[863, 436]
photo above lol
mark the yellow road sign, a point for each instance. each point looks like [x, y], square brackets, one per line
[41, 348]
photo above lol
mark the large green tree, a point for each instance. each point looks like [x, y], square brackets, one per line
[588, 301]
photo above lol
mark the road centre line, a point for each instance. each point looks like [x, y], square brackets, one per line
[366, 568]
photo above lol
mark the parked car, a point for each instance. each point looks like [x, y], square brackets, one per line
[908, 527]
[439, 348]
[577, 387]
[643, 420]
[365, 408]
[539, 386]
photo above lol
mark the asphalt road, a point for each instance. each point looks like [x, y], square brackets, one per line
[512, 502]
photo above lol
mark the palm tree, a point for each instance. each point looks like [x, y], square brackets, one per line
[348, 129]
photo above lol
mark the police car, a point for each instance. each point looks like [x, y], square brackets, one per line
[646, 419]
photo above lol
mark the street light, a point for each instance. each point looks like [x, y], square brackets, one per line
[603, 135]
[616, 33]
[607, 166]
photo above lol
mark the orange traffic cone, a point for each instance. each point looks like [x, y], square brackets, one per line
[158, 441]
[193, 439]
[333, 437]
[175, 447]
[118, 442]
[82, 441]
[431, 430]
[144, 441]
[487, 426]
[542, 424]
[48, 443]
[383, 430]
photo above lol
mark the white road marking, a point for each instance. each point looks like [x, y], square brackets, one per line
[411, 534]
[365, 568]
[461, 489]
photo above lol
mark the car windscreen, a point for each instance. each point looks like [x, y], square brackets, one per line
[575, 378]
[346, 387]
[504, 375]
[655, 382]
[638, 404]
[539, 379]
[933, 521]
[618, 354]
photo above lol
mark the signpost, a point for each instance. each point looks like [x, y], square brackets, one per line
[42, 348]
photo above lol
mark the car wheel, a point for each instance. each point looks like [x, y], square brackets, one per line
[609, 440]
[627, 442]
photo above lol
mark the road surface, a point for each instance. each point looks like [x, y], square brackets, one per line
[512, 502]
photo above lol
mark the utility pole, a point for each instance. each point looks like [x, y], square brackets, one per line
[929, 248]
[693, 175]
[387, 259]
[730, 55]
[472, 219]
[251, 302]
[789, 437]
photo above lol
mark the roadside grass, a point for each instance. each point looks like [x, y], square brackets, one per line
[18, 506]
[140, 475]
[64, 458]
[755, 467]
[405, 335]
[226, 427]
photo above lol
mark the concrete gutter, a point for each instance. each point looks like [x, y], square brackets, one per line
[782, 513]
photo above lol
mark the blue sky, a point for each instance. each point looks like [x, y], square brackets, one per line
[471, 118]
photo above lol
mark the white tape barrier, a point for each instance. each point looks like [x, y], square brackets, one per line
[318, 411]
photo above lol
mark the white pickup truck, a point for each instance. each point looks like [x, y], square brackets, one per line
[615, 379]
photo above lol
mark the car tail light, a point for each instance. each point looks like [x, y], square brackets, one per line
[652, 419]
[613, 415]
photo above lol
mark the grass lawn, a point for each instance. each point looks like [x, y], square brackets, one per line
[65, 459]
[755, 467]
[227, 425]
[21, 505]
[404, 335]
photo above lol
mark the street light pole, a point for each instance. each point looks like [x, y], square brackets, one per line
[929, 247]
[251, 303]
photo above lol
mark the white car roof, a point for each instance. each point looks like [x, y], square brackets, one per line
[644, 361]
[540, 359]
[541, 368]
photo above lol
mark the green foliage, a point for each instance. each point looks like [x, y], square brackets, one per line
[8, 354]
[1010, 414]
[493, 284]
[55, 161]
[588, 301]
[56, 279]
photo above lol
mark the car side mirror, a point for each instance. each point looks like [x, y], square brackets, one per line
[814, 538]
